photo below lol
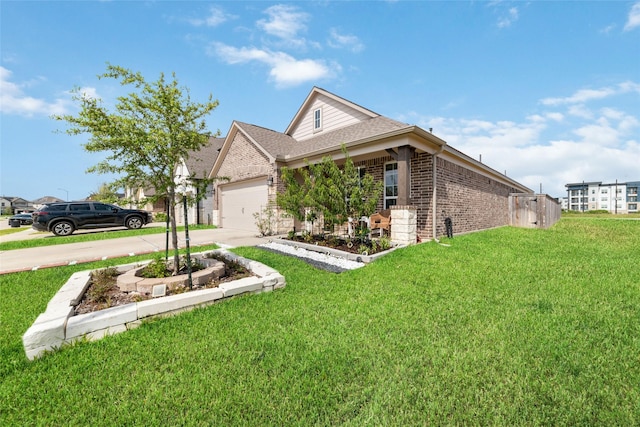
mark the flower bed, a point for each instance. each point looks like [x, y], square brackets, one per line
[59, 325]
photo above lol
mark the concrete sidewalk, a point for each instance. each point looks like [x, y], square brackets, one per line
[75, 253]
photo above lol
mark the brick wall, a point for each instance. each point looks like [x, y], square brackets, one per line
[472, 201]
[243, 161]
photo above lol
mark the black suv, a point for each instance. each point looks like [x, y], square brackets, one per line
[64, 218]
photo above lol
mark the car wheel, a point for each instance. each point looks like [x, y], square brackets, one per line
[134, 222]
[62, 228]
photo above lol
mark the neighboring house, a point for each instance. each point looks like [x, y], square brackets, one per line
[15, 205]
[38, 203]
[5, 206]
[618, 197]
[138, 198]
[196, 167]
[419, 170]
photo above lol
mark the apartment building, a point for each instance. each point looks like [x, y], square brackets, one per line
[618, 197]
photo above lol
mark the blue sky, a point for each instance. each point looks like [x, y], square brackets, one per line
[547, 91]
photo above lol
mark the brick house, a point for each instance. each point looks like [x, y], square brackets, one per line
[420, 171]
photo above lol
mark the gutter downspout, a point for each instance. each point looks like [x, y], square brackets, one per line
[434, 198]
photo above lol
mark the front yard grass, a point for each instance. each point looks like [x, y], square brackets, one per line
[89, 236]
[504, 327]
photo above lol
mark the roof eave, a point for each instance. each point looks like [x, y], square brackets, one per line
[431, 140]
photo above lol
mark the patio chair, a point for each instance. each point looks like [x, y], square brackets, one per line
[381, 222]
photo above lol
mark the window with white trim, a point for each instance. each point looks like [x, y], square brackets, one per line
[317, 119]
[390, 184]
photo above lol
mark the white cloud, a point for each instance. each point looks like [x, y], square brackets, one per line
[551, 148]
[581, 96]
[285, 21]
[13, 100]
[633, 20]
[580, 111]
[608, 29]
[557, 117]
[585, 95]
[508, 19]
[344, 41]
[285, 70]
[216, 17]
[89, 92]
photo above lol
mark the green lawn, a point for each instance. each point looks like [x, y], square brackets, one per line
[51, 239]
[503, 327]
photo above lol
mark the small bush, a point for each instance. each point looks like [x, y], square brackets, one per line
[385, 243]
[102, 282]
[264, 221]
[160, 217]
[156, 269]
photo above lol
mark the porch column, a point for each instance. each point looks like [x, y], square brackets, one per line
[404, 174]
[404, 224]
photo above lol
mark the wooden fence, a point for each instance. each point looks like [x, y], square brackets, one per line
[533, 210]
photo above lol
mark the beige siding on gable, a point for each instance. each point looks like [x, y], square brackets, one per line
[335, 115]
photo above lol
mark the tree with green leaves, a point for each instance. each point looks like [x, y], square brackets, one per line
[106, 193]
[147, 136]
[293, 199]
[324, 187]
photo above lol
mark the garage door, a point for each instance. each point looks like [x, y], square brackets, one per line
[240, 201]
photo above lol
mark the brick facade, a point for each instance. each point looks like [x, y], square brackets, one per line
[243, 161]
[472, 201]
[472, 195]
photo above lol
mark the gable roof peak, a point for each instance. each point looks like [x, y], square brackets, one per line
[313, 94]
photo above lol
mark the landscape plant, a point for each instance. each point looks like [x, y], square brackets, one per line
[264, 220]
[146, 138]
[337, 193]
[508, 327]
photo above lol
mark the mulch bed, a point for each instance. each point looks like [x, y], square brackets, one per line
[113, 296]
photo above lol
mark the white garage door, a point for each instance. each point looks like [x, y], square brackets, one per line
[240, 201]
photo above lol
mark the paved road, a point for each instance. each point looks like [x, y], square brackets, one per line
[74, 253]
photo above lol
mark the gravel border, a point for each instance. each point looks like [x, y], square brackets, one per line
[318, 260]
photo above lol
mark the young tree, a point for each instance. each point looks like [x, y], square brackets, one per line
[338, 193]
[146, 137]
[293, 199]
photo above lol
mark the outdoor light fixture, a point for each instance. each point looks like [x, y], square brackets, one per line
[159, 290]
[270, 180]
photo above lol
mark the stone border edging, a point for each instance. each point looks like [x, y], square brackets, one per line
[58, 325]
[335, 252]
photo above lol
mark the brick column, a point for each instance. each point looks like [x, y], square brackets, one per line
[404, 227]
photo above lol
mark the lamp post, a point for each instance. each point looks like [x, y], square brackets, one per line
[66, 191]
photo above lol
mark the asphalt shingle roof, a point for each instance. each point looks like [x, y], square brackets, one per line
[279, 144]
[200, 162]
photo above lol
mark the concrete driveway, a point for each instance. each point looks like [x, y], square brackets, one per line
[75, 253]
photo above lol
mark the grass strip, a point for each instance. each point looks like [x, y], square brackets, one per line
[50, 239]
